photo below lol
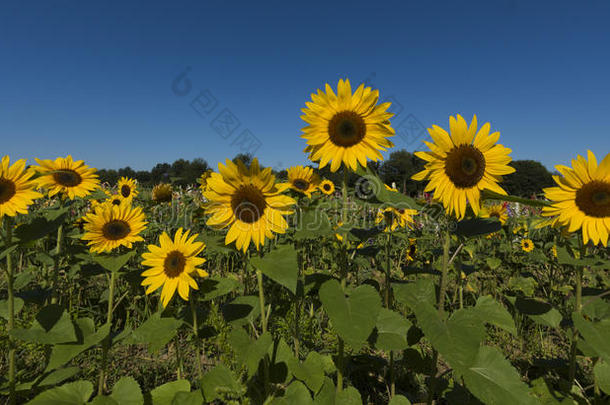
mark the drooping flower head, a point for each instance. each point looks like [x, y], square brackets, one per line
[462, 163]
[582, 200]
[67, 177]
[17, 191]
[248, 201]
[162, 193]
[346, 128]
[495, 211]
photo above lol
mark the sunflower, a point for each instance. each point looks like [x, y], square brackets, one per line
[554, 251]
[110, 226]
[390, 188]
[16, 189]
[411, 250]
[462, 164]
[203, 180]
[162, 192]
[497, 211]
[394, 217]
[327, 187]
[527, 245]
[127, 188]
[248, 201]
[64, 175]
[582, 200]
[346, 128]
[172, 264]
[520, 228]
[303, 180]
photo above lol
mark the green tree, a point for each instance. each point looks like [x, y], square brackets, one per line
[528, 180]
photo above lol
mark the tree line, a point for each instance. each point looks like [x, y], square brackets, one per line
[528, 180]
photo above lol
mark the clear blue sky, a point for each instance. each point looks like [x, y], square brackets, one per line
[94, 79]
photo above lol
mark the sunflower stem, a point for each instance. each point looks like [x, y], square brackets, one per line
[261, 298]
[55, 275]
[577, 309]
[196, 335]
[445, 269]
[108, 340]
[8, 224]
[388, 304]
[340, 354]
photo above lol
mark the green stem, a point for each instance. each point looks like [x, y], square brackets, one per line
[445, 269]
[196, 335]
[577, 308]
[178, 359]
[108, 340]
[8, 223]
[55, 275]
[261, 299]
[388, 304]
[340, 354]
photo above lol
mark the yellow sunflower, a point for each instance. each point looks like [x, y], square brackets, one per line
[110, 226]
[527, 245]
[346, 128]
[66, 176]
[203, 180]
[162, 192]
[497, 211]
[390, 188]
[248, 201]
[462, 164]
[582, 200]
[127, 188]
[554, 251]
[16, 189]
[411, 250]
[303, 180]
[327, 187]
[172, 265]
[394, 217]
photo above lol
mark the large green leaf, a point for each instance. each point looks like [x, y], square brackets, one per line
[280, 265]
[313, 223]
[216, 286]
[250, 352]
[86, 337]
[217, 381]
[399, 400]
[126, 391]
[491, 195]
[491, 311]
[40, 227]
[355, 317]
[52, 325]
[113, 263]
[392, 330]
[311, 371]
[493, 380]
[155, 332]
[164, 394]
[349, 396]
[242, 310]
[601, 370]
[477, 226]
[326, 396]
[74, 393]
[18, 305]
[188, 398]
[596, 334]
[412, 294]
[296, 394]
[377, 188]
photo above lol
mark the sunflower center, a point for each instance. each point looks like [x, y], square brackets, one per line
[125, 191]
[174, 264]
[300, 184]
[116, 201]
[7, 190]
[248, 204]
[465, 166]
[346, 129]
[326, 187]
[67, 178]
[116, 229]
[594, 199]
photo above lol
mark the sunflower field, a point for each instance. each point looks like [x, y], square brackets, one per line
[249, 289]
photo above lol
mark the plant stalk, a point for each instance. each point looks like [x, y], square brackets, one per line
[8, 223]
[108, 340]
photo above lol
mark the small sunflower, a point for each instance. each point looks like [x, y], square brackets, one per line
[110, 226]
[127, 188]
[327, 187]
[203, 180]
[411, 250]
[66, 176]
[527, 245]
[462, 164]
[16, 189]
[162, 193]
[582, 200]
[248, 201]
[394, 217]
[521, 228]
[346, 128]
[172, 265]
[303, 180]
[497, 211]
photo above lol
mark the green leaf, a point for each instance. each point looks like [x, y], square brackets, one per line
[326, 396]
[355, 317]
[18, 305]
[412, 294]
[392, 330]
[477, 226]
[40, 227]
[155, 332]
[74, 393]
[216, 286]
[311, 371]
[86, 337]
[113, 263]
[601, 371]
[296, 394]
[596, 334]
[215, 243]
[313, 223]
[52, 325]
[126, 391]
[491, 195]
[280, 265]
[491, 311]
[188, 398]
[493, 380]
[399, 400]
[381, 193]
[7, 251]
[349, 396]
[250, 352]
[219, 380]
[164, 394]
[58, 376]
[103, 400]
[547, 395]
[242, 310]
